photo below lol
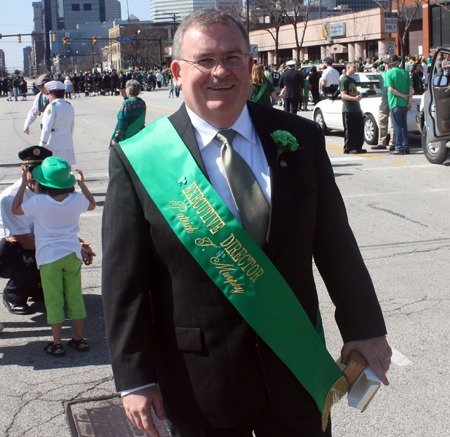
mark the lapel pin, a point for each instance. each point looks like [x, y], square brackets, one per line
[283, 163]
[182, 181]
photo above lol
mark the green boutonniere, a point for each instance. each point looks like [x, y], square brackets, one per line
[285, 142]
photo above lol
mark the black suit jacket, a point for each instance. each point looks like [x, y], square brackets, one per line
[165, 319]
[294, 83]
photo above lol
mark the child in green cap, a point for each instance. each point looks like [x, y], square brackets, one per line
[56, 210]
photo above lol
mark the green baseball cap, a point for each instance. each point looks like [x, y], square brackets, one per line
[54, 172]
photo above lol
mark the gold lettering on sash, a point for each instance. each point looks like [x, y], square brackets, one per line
[242, 258]
[199, 202]
[185, 222]
[178, 205]
[204, 242]
[225, 270]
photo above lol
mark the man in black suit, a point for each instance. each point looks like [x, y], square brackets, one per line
[166, 320]
[294, 83]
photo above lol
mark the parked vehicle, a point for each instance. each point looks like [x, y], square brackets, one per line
[328, 113]
[433, 118]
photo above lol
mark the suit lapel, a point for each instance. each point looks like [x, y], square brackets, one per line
[281, 181]
[182, 124]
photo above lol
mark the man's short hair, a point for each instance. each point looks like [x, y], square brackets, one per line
[134, 86]
[204, 18]
[59, 94]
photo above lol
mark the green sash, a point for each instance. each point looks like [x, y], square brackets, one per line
[236, 264]
[261, 92]
[134, 127]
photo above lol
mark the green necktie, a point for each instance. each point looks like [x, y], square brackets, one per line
[250, 201]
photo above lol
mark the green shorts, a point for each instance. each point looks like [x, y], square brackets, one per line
[63, 278]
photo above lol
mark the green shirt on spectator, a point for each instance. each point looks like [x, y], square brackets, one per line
[348, 84]
[400, 80]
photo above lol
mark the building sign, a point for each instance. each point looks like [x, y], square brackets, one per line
[333, 30]
[390, 22]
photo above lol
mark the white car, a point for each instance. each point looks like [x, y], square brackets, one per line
[328, 113]
[434, 116]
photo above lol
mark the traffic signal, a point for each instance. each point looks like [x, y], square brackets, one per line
[94, 40]
[64, 41]
[19, 37]
[54, 37]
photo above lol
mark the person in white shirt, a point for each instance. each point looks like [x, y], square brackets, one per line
[39, 104]
[58, 123]
[56, 211]
[330, 78]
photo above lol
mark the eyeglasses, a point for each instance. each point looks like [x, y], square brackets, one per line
[209, 64]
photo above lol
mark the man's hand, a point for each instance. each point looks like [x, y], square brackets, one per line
[114, 144]
[36, 113]
[375, 350]
[410, 105]
[27, 130]
[87, 253]
[358, 97]
[138, 407]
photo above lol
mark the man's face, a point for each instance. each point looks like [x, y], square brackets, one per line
[51, 96]
[351, 68]
[218, 95]
[43, 90]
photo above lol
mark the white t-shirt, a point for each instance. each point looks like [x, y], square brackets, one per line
[331, 76]
[11, 224]
[56, 225]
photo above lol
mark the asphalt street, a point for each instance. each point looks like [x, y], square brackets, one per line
[399, 209]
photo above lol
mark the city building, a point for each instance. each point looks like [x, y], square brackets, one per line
[3, 71]
[59, 15]
[149, 46]
[37, 40]
[163, 10]
[350, 36]
[27, 60]
[79, 52]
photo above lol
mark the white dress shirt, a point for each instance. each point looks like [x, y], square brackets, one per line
[247, 143]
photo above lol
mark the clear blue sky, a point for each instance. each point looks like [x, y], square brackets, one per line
[17, 17]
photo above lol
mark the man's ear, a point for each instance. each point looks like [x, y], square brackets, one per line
[175, 66]
[250, 64]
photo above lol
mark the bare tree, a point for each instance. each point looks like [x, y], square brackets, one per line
[275, 11]
[406, 10]
[140, 51]
[295, 11]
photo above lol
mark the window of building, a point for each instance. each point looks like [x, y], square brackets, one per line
[87, 7]
[440, 31]
[75, 7]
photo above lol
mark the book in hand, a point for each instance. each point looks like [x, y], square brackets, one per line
[362, 381]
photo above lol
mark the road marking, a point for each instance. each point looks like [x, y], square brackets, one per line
[399, 359]
[405, 166]
[346, 158]
[397, 193]
[363, 156]
[149, 107]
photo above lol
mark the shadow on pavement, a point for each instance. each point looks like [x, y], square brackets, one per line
[31, 354]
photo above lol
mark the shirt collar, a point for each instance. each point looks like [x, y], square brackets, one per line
[243, 126]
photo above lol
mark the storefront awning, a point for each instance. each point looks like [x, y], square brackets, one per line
[338, 48]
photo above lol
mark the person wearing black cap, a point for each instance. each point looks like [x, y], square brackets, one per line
[17, 248]
[400, 95]
[39, 104]
[293, 81]
[330, 78]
